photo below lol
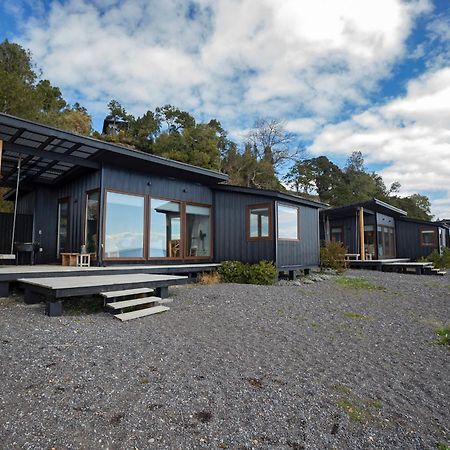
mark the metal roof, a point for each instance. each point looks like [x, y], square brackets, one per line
[269, 193]
[374, 204]
[48, 154]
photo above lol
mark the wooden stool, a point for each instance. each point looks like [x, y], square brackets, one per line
[83, 259]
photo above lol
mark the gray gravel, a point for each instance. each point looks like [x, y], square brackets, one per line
[234, 366]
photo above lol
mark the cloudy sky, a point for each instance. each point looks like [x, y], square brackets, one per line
[344, 75]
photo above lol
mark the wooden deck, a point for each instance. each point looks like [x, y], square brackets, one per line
[53, 289]
[10, 273]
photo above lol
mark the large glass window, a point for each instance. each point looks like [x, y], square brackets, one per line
[91, 225]
[386, 242]
[259, 221]
[124, 226]
[287, 222]
[428, 237]
[198, 231]
[369, 240]
[165, 229]
[63, 226]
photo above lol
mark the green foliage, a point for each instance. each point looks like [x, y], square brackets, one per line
[443, 334]
[439, 261]
[233, 272]
[21, 94]
[442, 446]
[263, 272]
[332, 256]
[358, 283]
[5, 206]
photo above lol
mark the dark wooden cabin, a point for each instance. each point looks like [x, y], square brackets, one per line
[126, 206]
[387, 232]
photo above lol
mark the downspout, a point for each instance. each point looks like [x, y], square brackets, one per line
[19, 163]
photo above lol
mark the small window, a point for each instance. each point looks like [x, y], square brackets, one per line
[259, 222]
[427, 237]
[337, 234]
[288, 222]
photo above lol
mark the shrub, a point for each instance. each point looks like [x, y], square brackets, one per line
[233, 272]
[237, 272]
[209, 278]
[439, 261]
[262, 273]
[332, 256]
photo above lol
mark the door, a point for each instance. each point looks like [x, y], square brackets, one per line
[62, 243]
[386, 242]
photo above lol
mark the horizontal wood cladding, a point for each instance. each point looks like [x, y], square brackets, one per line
[305, 251]
[231, 209]
[155, 185]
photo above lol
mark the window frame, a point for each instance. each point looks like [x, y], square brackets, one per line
[298, 223]
[145, 239]
[341, 228]
[269, 207]
[86, 197]
[149, 224]
[184, 204]
[432, 244]
[68, 201]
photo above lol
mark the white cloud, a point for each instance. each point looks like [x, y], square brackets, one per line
[411, 134]
[259, 56]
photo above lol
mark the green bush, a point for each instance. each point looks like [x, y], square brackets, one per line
[439, 261]
[443, 335]
[262, 273]
[332, 256]
[233, 272]
[237, 272]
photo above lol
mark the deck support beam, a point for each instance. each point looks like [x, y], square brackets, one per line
[162, 292]
[32, 297]
[54, 308]
[4, 289]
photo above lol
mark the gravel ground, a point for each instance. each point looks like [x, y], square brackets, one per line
[314, 366]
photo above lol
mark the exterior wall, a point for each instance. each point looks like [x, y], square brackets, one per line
[43, 204]
[350, 229]
[408, 240]
[148, 183]
[230, 229]
[306, 250]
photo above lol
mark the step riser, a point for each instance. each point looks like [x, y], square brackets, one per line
[141, 313]
[133, 302]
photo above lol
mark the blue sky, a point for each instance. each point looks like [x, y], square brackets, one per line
[343, 75]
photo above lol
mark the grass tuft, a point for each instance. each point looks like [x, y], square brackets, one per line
[358, 283]
[354, 315]
[443, 334]
[358, 409]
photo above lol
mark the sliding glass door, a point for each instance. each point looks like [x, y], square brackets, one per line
[91, 221]
[198, 231]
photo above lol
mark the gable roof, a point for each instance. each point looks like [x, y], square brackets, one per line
[49, 154]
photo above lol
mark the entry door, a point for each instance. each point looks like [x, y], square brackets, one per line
[386, 242]
[62, 239]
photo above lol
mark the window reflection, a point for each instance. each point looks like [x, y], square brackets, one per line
[259, 222]
[198, 230]
[165, 229]
[287, 222]
[124, 226]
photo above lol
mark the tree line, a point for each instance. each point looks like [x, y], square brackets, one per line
[267, 157]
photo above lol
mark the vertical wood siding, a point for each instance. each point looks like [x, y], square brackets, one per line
[230, 229]
[305, 251]
[408, 240]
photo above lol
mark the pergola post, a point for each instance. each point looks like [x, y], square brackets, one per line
[361, 233]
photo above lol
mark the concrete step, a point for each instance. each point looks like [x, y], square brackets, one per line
[133, 302]
[141, 313]
[441, 273]
[126, 292]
